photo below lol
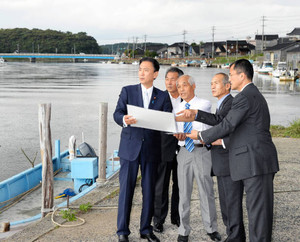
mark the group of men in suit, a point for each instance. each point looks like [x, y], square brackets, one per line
[245, 158]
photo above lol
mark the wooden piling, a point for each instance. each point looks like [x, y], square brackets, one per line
[46, 155]
[103, 107]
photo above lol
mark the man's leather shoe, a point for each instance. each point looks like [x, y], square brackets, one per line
[150, 237]
[158, 227]
[123, 238]
[176, 222]
[182, 238]
[215, 236]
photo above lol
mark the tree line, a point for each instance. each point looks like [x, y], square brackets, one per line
[23, 40]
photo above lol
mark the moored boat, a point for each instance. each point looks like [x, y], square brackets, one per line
[266, 68]
[79, 174]
[280, 69]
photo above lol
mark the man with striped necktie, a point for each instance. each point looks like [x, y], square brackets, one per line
[194, 161]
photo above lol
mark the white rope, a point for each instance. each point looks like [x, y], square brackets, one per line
[66, 225]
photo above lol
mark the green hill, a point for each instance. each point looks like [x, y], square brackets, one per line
[46, 41]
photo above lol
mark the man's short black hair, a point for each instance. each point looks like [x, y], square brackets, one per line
[153, 61]
[174, 69]
[244, 66]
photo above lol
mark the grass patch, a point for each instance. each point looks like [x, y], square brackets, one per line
[292, 131]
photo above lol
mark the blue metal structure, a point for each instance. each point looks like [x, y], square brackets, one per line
[57, 56]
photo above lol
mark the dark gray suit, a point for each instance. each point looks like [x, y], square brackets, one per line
[230, 192]
[252, 156]
[168, 165]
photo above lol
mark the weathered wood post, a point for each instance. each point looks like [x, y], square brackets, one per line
[103, 107]
[46, 155]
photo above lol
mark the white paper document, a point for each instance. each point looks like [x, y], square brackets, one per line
[152, 119]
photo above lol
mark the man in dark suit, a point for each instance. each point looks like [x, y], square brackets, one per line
[168, 165]
[230, 192]
[139, 147]
[252, 154]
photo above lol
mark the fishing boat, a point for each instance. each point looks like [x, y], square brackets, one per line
[203, 64]
[22, 192]
[225, 66]
[280, 69]
[266, 68]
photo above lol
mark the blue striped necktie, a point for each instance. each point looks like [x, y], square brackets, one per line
[187, 128]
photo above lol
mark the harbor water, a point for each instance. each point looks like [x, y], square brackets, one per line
[75, 91]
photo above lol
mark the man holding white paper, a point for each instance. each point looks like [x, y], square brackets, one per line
[139, 147]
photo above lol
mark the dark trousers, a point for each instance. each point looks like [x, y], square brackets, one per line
[161, 200]
[231, 203]
[127, 177]
[259, 203]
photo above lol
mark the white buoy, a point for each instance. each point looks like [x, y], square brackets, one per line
[72, 147]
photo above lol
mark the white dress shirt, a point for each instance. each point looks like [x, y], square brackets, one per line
[149, 91]
[175, 103]
[195, 103]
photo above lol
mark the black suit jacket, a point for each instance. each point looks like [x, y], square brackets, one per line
[251, 150]
[219, 155]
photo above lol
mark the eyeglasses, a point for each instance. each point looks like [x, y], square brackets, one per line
[234, 74]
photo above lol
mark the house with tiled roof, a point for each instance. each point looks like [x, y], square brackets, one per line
[177, 49]
[278, 52]
[269, 41]
[295, 34]
[233, 47]
[293, 56]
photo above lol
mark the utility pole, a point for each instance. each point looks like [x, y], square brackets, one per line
[145, 42]
[184, 33]
[133, 47]
[136, 40]
[213, 42]
[263, 32]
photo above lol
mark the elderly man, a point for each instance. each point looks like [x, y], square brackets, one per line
[252, 154]
[194, 161]
[230, 192]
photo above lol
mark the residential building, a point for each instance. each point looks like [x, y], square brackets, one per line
[295, 34]
[278, 52]
[267, 41]
[177, 49]
[293, 56]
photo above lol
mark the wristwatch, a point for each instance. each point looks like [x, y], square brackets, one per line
[198, 135]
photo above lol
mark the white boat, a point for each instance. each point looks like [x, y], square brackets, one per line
[255, 66]
[135, 63]
[2, 60]
[203, 64]
[280, 70]
[266, 68]
[225, 66]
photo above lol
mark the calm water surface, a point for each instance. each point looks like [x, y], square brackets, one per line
[75, 91]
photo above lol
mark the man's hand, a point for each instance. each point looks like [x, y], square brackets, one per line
[193, 134]
[180, 136]
[129, 119]
[187, 115]
[217, 142]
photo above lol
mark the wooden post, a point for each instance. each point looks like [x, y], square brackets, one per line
[102, 143]
[46, 155]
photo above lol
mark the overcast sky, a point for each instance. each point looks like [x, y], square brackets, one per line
[114, 21]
